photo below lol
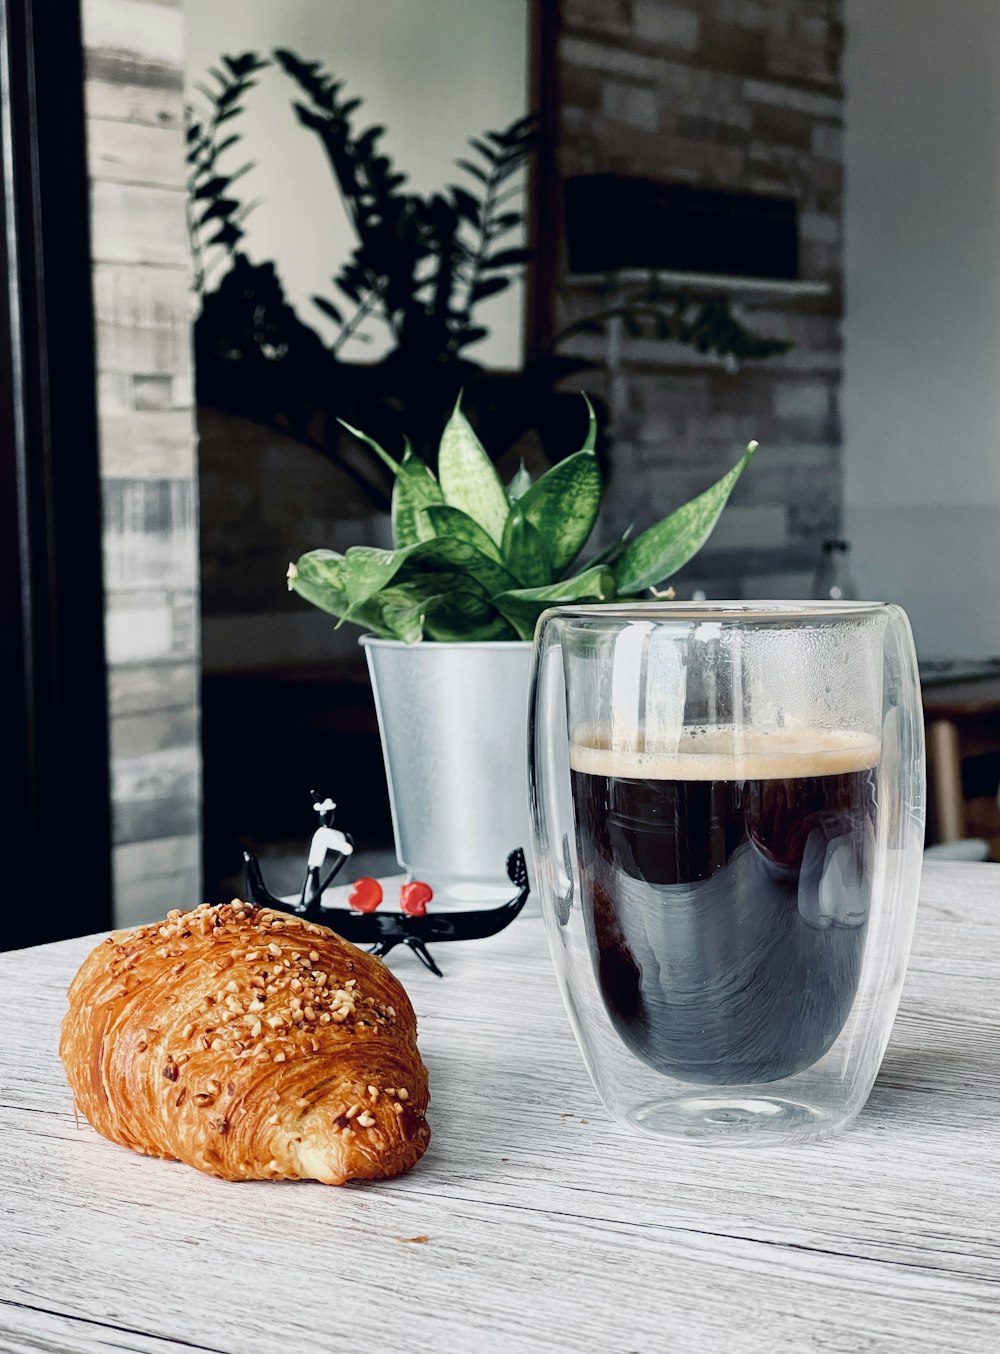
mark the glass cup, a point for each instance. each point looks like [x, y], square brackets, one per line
[727, 816]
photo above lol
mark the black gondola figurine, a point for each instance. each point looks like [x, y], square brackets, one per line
[383, 931]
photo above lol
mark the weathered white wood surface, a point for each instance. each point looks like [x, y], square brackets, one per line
[549, 1228]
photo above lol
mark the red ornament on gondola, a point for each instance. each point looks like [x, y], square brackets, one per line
[366, 894]
[414, 897]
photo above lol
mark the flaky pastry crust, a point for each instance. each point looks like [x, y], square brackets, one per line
[249, 1044]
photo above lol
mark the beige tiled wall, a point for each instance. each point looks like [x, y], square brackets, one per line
[142, 301]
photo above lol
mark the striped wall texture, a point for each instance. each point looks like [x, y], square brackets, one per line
[142, 296]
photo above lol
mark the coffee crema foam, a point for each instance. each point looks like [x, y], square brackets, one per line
[727, 755]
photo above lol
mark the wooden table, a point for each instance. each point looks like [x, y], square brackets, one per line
[547, 1227]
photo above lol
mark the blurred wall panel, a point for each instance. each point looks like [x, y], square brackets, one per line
[921, 396]
[142, 301]
[748, 97]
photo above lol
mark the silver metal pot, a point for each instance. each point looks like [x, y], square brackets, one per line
[452, 719]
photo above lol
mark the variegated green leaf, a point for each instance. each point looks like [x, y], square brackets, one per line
[563, 504]
[468, 478]
[445, 520]
[450, 555]
[666, 547]
[519, 484]
[464, 616]
[402, 614]
[415, 489]
[524, 552]
[614, 551]
[523, 606]
[319, 577]
[376, 447]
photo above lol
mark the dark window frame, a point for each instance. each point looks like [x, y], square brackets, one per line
[57, 862]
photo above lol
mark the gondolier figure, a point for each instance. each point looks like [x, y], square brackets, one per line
[359, 922]
[327, 840]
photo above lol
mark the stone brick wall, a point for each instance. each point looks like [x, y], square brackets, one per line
[142, 301]
[741, 94]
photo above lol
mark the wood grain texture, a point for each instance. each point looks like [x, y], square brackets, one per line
[550, 1228]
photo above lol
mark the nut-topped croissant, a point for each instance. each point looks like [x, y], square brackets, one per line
[250, 1044]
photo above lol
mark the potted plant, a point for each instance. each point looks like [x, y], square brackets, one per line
[449, 614]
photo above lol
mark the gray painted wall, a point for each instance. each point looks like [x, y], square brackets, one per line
[921, 392]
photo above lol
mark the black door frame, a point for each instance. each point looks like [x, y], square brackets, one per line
[55, 864]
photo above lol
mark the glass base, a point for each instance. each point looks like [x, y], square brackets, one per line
[740, 1119]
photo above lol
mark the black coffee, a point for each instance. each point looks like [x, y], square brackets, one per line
[726, 898]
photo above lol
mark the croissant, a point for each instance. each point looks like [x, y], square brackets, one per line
[249, 1044]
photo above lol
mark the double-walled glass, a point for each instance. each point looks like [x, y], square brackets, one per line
[727, 806]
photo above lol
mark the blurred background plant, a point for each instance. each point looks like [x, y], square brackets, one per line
[422, 266]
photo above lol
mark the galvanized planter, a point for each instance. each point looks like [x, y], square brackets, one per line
[452, 720]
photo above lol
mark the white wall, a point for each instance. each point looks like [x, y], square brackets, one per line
[434, 72]
[921, 399]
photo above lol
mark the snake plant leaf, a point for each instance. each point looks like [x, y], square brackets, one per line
[562, 505]
[614, 551]
[519, 484]
[414, 490]
[444, 520]
[468, 478]
[376, 447]
[524, 552]
[366, 571]
[523, 606]
[319, 577]
[462, 615]
[447, 554]
[402, 614]
[590, 441]
[666, 547]
[350, 586]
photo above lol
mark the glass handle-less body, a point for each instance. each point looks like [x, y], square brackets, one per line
[727, 811]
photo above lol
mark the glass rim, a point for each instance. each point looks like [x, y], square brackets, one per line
[656, 609]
